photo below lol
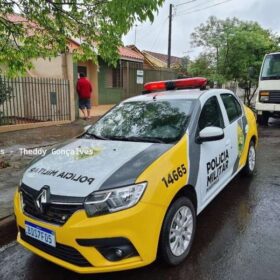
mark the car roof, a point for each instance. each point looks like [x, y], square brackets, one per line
[187, 94]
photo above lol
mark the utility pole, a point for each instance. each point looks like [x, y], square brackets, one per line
[169, 36]
[135, 34]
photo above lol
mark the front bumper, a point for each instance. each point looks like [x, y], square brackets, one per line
[267, 107]
[140, 225]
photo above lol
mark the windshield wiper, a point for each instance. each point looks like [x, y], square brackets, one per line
[96, 136]
[137, 139]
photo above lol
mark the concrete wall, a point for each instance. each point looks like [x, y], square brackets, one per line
[60, 67]
[47, 68]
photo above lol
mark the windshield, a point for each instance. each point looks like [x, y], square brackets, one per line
[152, 121]
[271, 67]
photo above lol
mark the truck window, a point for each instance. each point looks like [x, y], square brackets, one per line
[271, 67]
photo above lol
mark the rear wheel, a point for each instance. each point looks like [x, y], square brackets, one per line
[249, 168]
[178, 231]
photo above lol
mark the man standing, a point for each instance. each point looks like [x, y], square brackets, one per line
[84, 89]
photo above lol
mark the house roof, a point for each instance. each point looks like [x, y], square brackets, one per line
[124, 52]
[127, 53]
[164, 57]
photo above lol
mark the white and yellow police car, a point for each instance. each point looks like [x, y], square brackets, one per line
[130, 187]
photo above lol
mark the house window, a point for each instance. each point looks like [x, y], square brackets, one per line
[117, 77]
[114, 77]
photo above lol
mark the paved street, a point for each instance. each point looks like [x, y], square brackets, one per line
[237, 236]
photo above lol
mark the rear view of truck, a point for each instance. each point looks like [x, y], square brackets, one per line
[268, 99]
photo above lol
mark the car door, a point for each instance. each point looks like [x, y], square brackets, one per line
[214, 155]
[235, 127]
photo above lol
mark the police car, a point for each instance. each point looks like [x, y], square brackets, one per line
[130, 187]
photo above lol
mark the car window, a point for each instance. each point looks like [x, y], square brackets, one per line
[211, 114]
[232, 106]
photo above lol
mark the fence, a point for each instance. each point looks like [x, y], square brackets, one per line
[159, 75]
[32, 100]
[116, 84]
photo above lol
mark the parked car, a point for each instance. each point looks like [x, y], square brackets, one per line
[131, 186]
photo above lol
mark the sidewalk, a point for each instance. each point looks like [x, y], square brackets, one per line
[97, 111]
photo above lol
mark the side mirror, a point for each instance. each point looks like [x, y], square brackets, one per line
[210, 133]
[86, 128]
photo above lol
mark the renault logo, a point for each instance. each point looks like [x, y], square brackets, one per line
[43, 199]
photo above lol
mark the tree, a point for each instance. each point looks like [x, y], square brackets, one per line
[204, 66]
[43, 28]
[182, 70]
[236, 49]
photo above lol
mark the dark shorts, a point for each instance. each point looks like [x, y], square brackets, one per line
[84, 103]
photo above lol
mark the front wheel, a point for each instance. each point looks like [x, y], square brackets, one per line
[249, 168]
[178, 231]
[263, 119]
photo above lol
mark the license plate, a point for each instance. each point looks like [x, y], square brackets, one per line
[42, 234]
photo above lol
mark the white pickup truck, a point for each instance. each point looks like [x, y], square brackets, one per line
[268, 98]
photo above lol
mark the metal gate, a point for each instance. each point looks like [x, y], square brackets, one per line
[32, 100]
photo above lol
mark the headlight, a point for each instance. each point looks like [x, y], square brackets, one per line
[104, 202]
[264, 96]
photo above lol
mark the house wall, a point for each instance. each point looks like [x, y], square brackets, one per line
[47, 68]
[60, 67]
[107, 95]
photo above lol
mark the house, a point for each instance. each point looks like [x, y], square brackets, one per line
[154, 60]
[110, 85]
[124, 80]
[159, 60]
[48, 91]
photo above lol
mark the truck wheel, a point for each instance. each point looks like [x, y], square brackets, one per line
[263, 119]
[177, 232]
[249, 168]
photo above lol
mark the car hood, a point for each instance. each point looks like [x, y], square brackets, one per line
[82, 166]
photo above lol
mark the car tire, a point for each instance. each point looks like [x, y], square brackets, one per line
[249, 168]
[176, 240]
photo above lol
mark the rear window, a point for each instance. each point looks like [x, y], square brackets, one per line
[232, 106]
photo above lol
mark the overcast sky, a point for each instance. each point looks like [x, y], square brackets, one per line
[154, 36]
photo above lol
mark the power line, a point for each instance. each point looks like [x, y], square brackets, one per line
[196, 6]
[184, 3]
[159, 31]
[198, 10]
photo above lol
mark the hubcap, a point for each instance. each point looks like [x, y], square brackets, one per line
[181, 231]
[252, 158]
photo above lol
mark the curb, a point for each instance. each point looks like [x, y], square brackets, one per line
[8, 230]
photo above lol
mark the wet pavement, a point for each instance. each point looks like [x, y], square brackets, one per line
[238, 234]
